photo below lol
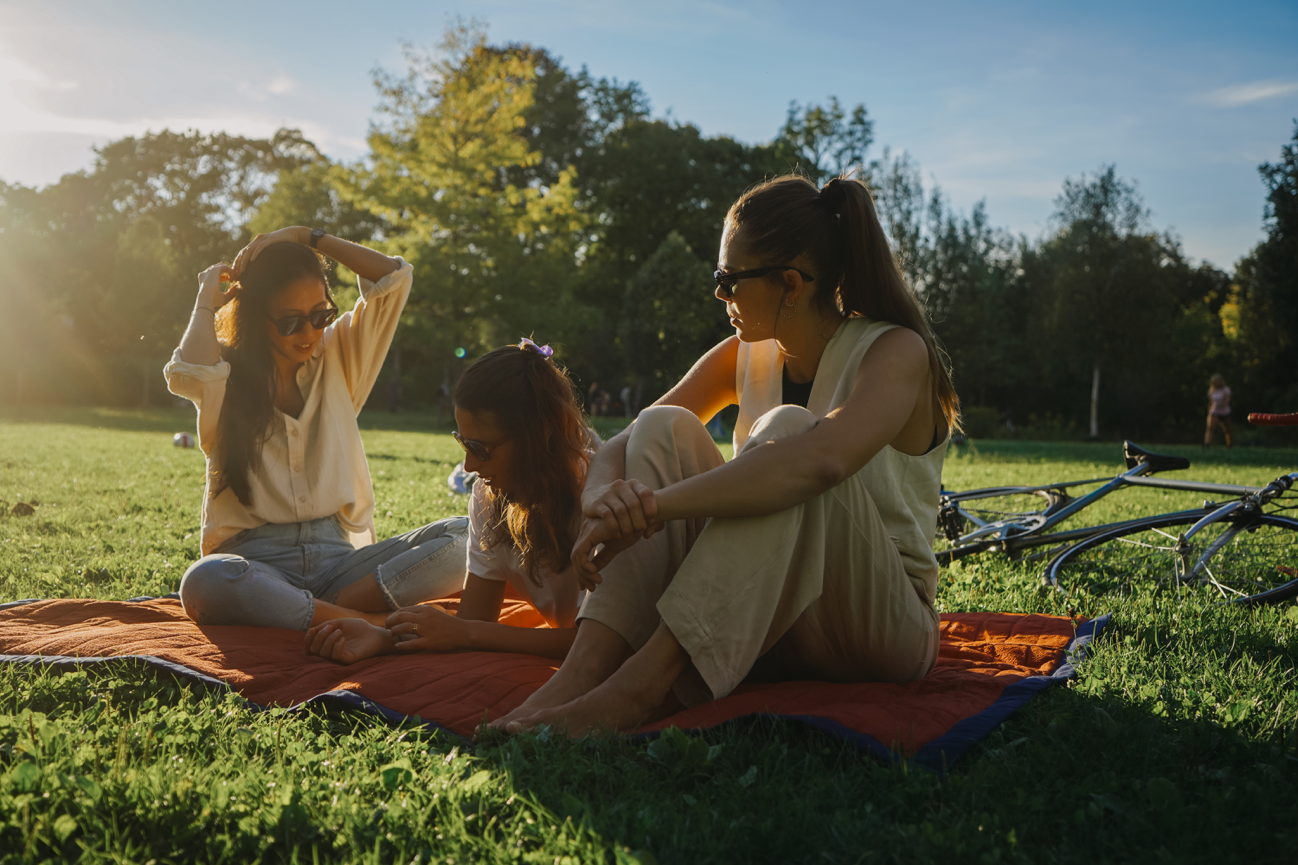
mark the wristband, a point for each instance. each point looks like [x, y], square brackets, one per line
[208, 308]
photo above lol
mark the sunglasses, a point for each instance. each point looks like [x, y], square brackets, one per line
[726, 281]
[291, 324]
[479, 450]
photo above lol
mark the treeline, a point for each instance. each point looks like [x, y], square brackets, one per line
[535, 200]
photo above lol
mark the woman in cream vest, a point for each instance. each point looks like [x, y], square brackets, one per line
[807, 556]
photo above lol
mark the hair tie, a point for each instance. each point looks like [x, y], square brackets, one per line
[832, 194]
[542, 350]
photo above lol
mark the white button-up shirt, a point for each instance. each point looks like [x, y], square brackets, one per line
[313, 465]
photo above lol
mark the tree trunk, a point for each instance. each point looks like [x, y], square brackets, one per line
[18, 386]
[145, 368]
[1095, 400]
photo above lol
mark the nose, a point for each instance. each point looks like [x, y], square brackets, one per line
[471, 463]
[722, 294]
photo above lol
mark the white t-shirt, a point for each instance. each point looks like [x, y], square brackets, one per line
[558, 597]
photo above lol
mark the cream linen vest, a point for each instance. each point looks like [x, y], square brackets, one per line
[905, 488]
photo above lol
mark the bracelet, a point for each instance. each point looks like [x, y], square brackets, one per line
[208, 308]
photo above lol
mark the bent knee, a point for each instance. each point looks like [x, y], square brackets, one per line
[210, 582]
[664, 429]
[781, 422]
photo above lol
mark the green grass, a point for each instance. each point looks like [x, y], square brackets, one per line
[1179, 740]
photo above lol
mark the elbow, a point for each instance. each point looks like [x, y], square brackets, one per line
[828, 471]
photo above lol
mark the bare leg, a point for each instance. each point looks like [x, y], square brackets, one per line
[596, 654]
[1207, 433]
[364, 594]
[626, 699]
[1225, 428]
[325, 612]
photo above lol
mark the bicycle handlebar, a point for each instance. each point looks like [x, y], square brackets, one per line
[1261, 419]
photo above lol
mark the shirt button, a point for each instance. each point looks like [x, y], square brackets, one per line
[297, 468]
[293, 433]
[301, 498]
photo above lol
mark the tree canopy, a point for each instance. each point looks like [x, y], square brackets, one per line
[533, 199]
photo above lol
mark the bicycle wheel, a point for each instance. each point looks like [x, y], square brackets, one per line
[1249, 559]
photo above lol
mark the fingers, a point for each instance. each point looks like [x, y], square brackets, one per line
[325, 640]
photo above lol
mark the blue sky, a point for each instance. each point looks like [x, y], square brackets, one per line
[996, 100]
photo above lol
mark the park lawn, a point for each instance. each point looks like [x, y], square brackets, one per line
[1179, 739]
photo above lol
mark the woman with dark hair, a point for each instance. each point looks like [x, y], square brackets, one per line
[523, 434]
[278, 377]
[807, 556]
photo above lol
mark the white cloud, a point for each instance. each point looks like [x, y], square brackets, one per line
[1245, 94]
[281, 85]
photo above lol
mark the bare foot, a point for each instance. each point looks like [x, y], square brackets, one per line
[348, 640]
[616, 706]
[624, 701]
[596, 653]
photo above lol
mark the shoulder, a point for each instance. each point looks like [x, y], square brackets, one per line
[900, 345]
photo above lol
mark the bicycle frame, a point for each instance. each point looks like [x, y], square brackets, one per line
[1011, 536]
[1250, 505]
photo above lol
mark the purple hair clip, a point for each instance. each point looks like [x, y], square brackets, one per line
[542, 350]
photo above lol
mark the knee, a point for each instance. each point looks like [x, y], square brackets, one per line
[209, 584]
[781, 422]
[445, 531]
[662, 430]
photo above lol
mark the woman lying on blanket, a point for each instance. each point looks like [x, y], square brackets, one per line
[808, 556]
[522, 432]
[278, 377]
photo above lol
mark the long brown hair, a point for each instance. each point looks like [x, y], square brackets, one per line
[533, 402]
[838, 229]
[241, 327]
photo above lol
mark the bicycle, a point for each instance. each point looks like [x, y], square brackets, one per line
[1242, 552]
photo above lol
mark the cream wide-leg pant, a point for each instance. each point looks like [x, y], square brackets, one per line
[820, 586]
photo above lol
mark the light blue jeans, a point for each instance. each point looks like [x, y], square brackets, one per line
[271, 576]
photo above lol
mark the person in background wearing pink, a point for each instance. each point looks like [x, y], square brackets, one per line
[1218, 409]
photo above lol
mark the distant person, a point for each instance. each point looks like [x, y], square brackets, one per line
[626, 400]
[593, 399]
[278, 375]
[523, 434]
[1218, 409]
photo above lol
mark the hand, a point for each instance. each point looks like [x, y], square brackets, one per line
[626, 508]
[210, 291]
[593, 533]
[348, 640]
[426, 628]
[292, 234]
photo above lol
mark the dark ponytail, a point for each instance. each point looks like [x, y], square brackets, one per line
[532, 400]
[241, 327]
[838, 229]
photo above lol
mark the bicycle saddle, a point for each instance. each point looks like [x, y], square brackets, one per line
[1135, 455]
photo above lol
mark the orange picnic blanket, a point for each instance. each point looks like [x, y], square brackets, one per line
[989, 664]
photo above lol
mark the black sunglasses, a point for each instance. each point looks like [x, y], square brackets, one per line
[479, 450]
[291, 324]
[726, 281]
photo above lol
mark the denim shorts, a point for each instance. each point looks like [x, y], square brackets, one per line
[271, 576]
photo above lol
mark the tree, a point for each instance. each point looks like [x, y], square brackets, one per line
[669, 315]
[114, 251]
[1099, 294]
[1267, 293]
[495, 257]
[824, 141]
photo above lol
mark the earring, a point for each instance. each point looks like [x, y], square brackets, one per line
[791, 308]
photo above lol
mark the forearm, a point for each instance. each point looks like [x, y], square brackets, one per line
[361, 260]
[495, 637]
[199, 345]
